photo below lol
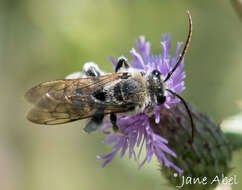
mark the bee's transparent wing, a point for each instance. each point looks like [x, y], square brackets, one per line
[63, 101]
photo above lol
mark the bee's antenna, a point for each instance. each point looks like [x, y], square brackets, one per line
[189, 37]
[188, 111]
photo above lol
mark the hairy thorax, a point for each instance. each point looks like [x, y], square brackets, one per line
[131, 90]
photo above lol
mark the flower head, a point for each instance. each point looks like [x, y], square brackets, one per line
[135, 130]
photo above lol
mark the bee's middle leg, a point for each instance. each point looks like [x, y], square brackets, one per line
[122, 63]
[113, 119]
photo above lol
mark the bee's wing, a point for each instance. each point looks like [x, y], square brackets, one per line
[63, 101]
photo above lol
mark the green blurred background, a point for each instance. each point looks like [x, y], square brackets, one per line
[46, 40]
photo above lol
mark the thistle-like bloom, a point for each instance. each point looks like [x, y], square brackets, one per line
[135, 130]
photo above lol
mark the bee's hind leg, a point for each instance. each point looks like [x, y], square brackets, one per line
[122, 64]
[95, 123]
[91, 69]
[113, 119]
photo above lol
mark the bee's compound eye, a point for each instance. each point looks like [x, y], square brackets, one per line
[161, 98]
[156, 73]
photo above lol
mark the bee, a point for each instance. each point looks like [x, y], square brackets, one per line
[94, 94]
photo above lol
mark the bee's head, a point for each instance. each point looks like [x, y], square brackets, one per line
[156, 86]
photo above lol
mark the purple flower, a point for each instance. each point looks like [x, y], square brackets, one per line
[135, 130]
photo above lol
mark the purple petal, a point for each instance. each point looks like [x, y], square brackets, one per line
[137, 58]
[111, 139]
[174, 60]
[112, 61]
[167, 38]
[143, 47]
[124, 148]
[157, 114]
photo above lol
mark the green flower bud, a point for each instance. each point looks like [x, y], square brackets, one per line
[208, 156]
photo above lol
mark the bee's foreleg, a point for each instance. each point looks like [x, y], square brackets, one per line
[95, 123]
[113, 119]
[122, 63]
